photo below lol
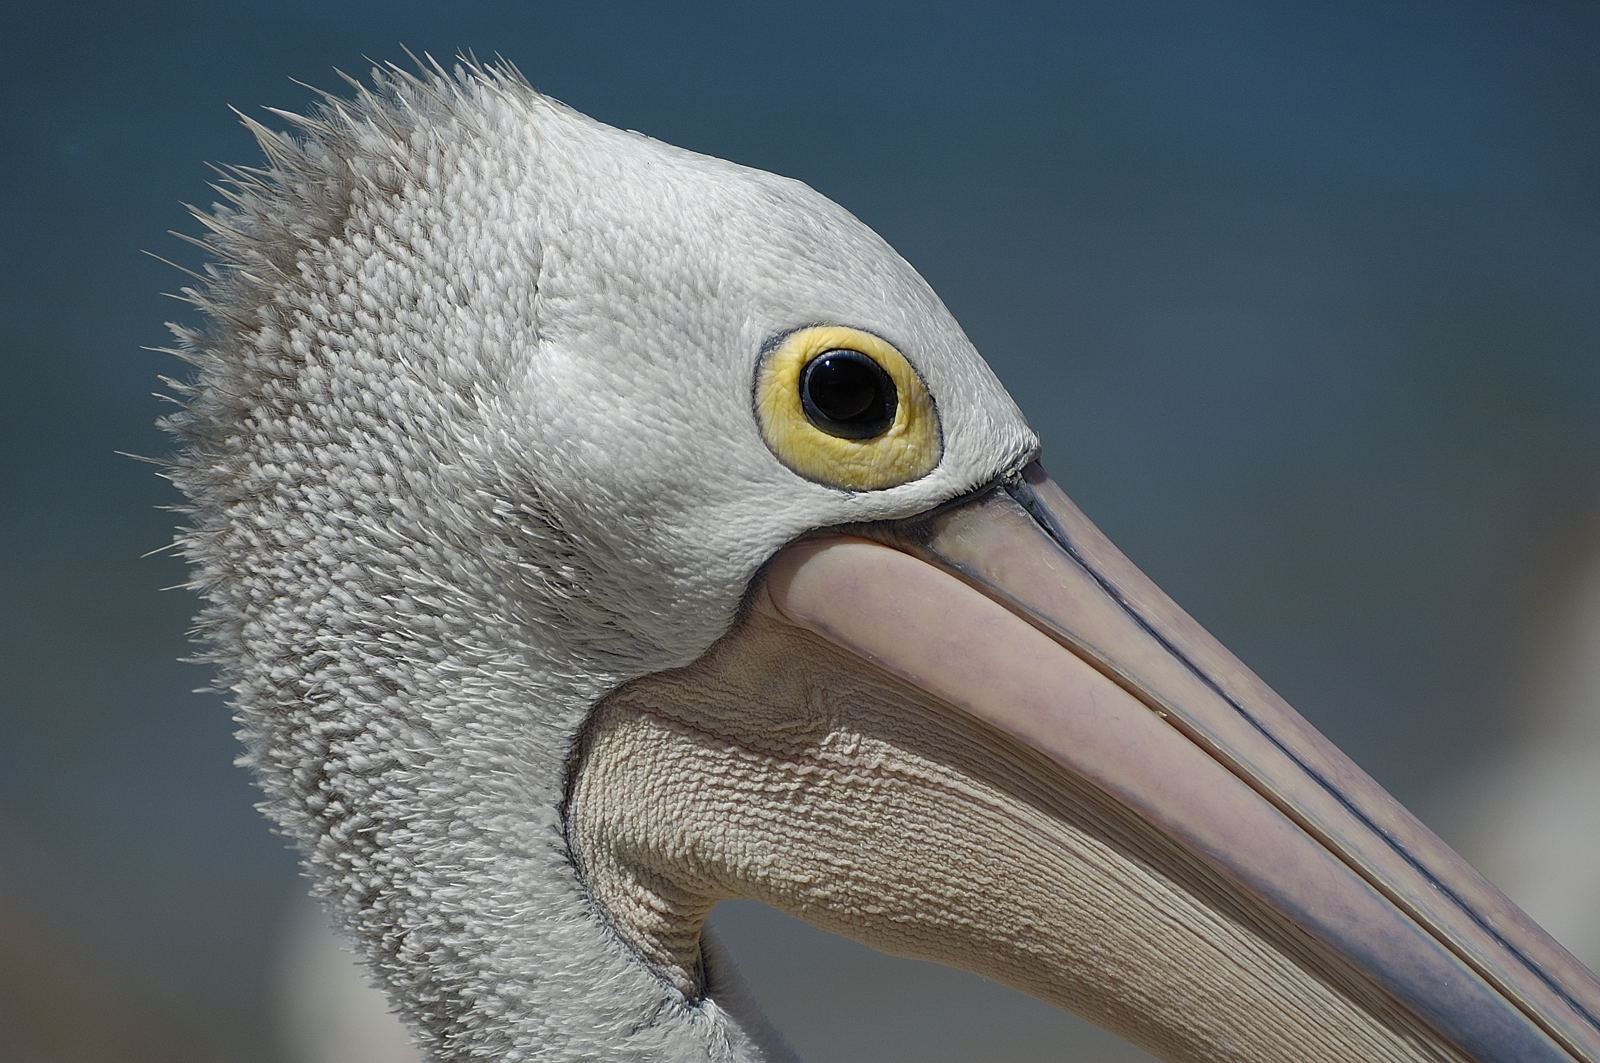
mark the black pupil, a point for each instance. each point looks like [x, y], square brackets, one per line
[845, 393]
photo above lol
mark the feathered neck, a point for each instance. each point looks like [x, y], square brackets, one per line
[403, 626]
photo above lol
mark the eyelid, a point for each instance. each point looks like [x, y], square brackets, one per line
[907, 450]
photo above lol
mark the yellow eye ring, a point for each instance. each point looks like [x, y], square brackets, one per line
[843, 407]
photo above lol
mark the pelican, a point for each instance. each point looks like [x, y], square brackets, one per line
[592, 530]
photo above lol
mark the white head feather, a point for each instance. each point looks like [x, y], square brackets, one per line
[471, 444]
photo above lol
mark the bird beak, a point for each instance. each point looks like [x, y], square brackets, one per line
[1011, 607]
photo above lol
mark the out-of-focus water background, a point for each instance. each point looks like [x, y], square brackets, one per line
[1304, 299]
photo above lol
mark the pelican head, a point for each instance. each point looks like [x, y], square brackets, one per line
[592, 530]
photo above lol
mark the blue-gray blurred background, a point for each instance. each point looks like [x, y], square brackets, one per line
[1305, 300]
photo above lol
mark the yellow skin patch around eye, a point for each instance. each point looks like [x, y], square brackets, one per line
[908, 449]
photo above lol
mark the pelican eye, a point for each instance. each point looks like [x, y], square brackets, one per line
[845, 393]
[843, 407]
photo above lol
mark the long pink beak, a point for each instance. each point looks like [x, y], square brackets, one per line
[1013, 607]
